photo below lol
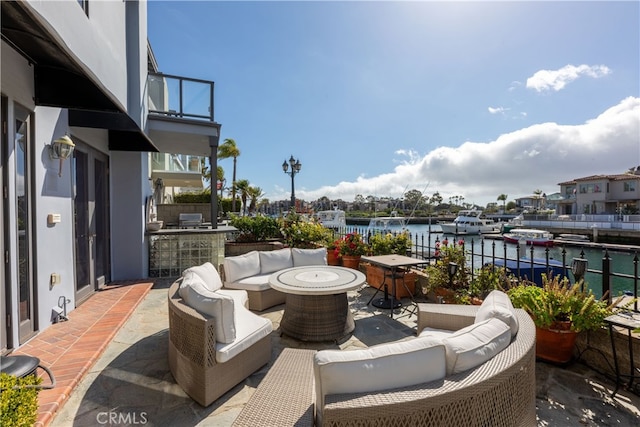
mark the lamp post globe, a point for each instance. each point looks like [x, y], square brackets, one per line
[295, 166]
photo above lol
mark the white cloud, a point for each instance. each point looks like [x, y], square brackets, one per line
[497, 110]
[516, 164]
[556, 80]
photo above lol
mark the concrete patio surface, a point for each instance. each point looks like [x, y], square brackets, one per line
[130, 382]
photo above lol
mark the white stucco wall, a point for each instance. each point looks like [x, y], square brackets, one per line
[130, 188]
[54, 243]
[97, 41]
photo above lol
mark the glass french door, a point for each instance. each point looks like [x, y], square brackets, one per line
[24, 213]
[4, 289]
[91, 220]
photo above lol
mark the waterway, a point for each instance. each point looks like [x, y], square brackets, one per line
[622, 262]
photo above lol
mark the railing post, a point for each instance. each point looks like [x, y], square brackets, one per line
[606, 276]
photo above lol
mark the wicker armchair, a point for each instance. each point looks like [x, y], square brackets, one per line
[192, 353]
[500, 392]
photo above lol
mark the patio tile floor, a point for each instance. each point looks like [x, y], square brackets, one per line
[111, 357]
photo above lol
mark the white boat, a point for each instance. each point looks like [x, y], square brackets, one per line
[387, 224]
[332, 219]
[531, 236]
[573, 237]
[470, 222]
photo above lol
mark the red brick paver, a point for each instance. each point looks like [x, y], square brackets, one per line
[70, 348]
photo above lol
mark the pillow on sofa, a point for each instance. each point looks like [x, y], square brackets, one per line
[208, 273]
[472, 346]
[498, 305]
[241, 266]
[196, 295]
[376, 368]
[272, 261]
[303, 257]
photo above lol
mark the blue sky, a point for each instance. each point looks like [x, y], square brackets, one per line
[470, 99]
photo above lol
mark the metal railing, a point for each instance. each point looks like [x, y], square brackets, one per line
[180, 97]
[424, 246]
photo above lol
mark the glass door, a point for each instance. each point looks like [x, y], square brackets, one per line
[26, 306]
[4, 289]
[91, 220]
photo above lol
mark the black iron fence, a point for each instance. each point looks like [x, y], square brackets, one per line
[483, 251]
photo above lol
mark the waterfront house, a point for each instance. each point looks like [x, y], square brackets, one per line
[601, 194]
[83, 69]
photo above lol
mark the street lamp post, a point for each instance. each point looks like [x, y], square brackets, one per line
[295, 169]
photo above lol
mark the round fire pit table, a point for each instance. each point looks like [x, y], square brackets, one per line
[316, 306]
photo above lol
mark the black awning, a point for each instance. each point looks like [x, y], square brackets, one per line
[124, 133]
[63, 83]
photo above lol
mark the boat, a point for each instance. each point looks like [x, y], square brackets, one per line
[387, 224]
[531, 236]
[532, 270]
[470, 222]
[515, 222]
[335, 218]
[573, 237]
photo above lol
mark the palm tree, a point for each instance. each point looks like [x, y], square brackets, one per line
[503, 198]
[243, 188]
[254, 194]
[226, 150]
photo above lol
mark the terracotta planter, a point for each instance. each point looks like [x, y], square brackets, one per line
[555, 345]
[332, 259]
[375, 279]
[448, 296]
[351, 261]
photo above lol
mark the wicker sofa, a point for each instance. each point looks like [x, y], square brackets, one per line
[250, 272]
[201, 364]
[499, 392]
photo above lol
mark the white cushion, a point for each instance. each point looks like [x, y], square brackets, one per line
[219, 306]
[259, 282]
[380, 367]
[240, 297]
[271, 261]
[250, 328]
[241, 266]
[498, 305]
[472, 346]
[303, 257]
[208, 273]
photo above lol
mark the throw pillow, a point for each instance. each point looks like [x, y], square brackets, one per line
[196, 295]
[208, 273]
[472, 346]
[241, 266]
[498, 305]
[303, 257]
[272, 261]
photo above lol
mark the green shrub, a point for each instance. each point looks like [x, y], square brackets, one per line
[299, 232]
[388, 243]
[193, 197]
[18, 400]
[255, 229]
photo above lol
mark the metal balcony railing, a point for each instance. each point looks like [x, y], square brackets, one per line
[180, 97]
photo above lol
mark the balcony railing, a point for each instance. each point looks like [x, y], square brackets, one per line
[165, 162]
[180, 97]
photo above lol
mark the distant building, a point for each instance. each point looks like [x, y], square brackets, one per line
[601, 194]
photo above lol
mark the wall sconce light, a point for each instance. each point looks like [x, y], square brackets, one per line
[61, 148]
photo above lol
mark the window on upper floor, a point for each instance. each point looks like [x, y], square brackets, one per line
[590, 188]
[629, 186]
[84, 4]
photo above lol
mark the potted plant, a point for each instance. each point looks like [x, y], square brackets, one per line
[351, 247]
[388, 244]
[560, 311]
[301, 233]
[448, 277]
